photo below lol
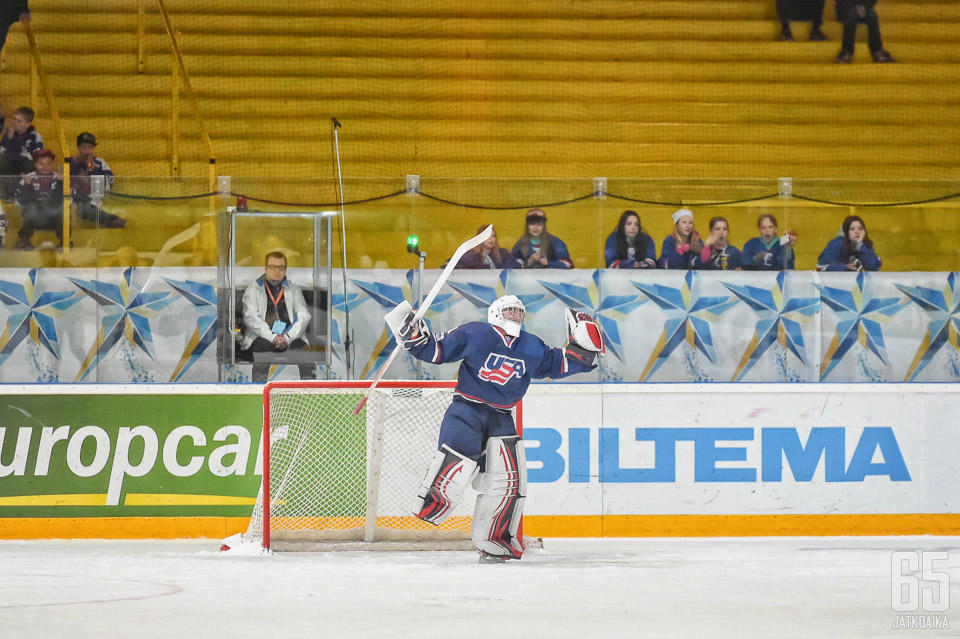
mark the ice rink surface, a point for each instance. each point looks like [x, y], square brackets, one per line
[586, 589]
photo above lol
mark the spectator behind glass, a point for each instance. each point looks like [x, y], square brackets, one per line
[851, 250]
[83, 165]
[489, 255]
[11, 12]
[537, 248]
[40, 197]
[683, 249]
[812, 10]
[771, 251]
[723, 256]
[18, 144]
[851, 13]
[629, 246]
[275, 316]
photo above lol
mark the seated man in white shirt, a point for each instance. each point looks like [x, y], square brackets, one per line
[275, 316]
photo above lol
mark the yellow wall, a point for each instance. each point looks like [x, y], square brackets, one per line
[627, 89]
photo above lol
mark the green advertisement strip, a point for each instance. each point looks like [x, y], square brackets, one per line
[129, 455]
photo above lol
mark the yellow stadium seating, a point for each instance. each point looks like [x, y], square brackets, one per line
[626, 89]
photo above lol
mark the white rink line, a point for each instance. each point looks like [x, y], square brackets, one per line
[585, 589]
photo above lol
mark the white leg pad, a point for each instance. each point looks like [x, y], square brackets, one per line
[448, 475]
[503, 490]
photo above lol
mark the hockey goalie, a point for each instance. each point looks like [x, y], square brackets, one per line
[478, 440]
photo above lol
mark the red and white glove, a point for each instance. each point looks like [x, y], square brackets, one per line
[583, 331]
[585, 340]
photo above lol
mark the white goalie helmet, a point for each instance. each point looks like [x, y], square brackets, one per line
[507, 312]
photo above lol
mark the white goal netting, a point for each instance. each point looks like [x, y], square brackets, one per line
[339, 479]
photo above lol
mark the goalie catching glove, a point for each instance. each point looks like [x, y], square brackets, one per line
[407, 332]
[584, 338]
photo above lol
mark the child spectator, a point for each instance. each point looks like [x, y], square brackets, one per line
[851, 13]
[628, 246]
[723, 255]
[771, 251]
[812, 10]
[18, 144]
[851, 250]
[683, 249]
[537, 248]
[40, 197]
[83, 165]
[489, 255]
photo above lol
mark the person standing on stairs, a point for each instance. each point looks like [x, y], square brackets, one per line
[812, 10]
[851, 13]
[11, 12]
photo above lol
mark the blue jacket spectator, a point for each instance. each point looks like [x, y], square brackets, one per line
[629, 246]
[851, 250]
[537, 248]
[723, 255]
[683, 249]
[489, 255]
[771, 251]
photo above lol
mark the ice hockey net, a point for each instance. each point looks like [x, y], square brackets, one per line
[335, 480]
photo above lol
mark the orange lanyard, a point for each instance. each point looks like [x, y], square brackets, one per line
[276, 302]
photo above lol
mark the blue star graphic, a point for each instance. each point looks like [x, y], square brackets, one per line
[943, 307]
[204, 299]
[779, 321]
[688, 319]
[860, 317]
[482, 296]
[128, 314]
[609, 311]
[32, 314]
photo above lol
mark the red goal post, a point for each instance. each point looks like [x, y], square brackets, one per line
[335, 480]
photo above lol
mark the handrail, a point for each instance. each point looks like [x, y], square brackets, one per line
[58, 127]
[191, 96]
[44, 85]
[178, 55]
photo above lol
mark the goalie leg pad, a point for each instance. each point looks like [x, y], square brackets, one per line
[503, 491]
[448, 475]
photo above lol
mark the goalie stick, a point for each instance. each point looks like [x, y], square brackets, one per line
[473, 242]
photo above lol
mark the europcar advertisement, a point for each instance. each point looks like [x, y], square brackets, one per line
[128, 452]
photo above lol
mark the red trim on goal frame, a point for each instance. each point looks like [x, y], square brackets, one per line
[355, 384]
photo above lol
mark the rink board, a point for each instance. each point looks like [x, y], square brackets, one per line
[615, 460]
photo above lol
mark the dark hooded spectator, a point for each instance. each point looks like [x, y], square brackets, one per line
[854, 12]
[537, 248]
[83, 165]
[851, 250]
[628, 246]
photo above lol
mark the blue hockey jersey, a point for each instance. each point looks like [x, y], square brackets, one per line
[496, 368]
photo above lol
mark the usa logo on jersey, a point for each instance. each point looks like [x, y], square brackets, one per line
[500, 369]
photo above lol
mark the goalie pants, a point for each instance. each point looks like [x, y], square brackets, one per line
[467, 426]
